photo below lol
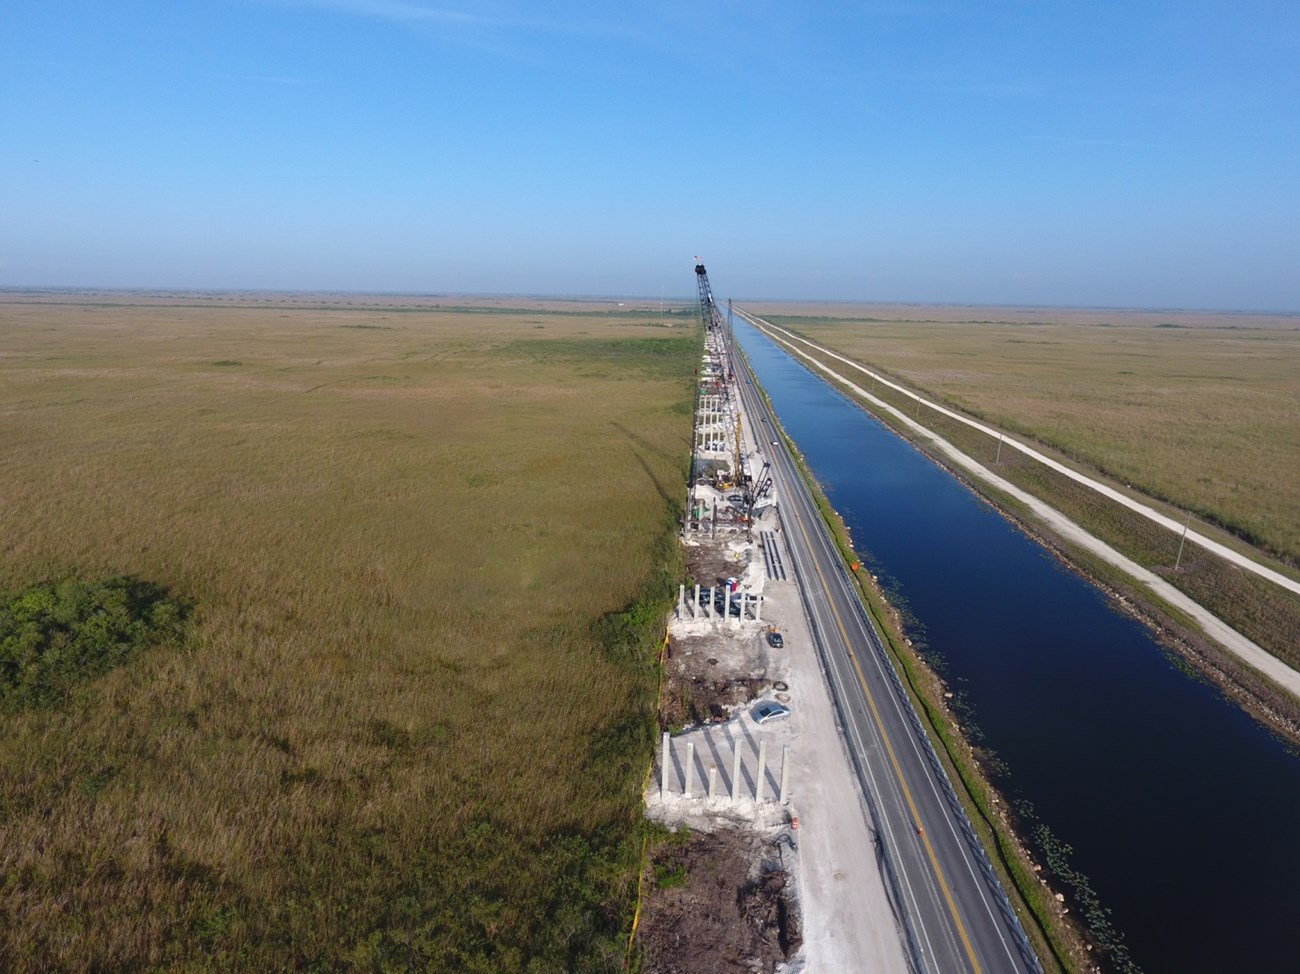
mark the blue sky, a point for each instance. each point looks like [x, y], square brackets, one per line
[1142, 153]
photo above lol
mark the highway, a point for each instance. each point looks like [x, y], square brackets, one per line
[950, 904]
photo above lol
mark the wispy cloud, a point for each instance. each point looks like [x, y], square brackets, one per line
[503, 28]
[400, 11]
[481, 17]
[262, 79]
[1110, 143]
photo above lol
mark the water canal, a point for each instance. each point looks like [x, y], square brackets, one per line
[1181, 811]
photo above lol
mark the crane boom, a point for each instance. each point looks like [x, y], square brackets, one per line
[709, 312]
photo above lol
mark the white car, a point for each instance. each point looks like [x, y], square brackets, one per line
[769, 710]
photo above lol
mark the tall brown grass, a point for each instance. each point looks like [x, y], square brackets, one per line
[395, 738]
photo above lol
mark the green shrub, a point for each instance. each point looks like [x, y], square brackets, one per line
[56, 635]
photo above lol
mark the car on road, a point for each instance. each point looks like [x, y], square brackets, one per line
[775, 640]
[769, 710]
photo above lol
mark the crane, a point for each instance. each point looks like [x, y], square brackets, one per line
[709, 312]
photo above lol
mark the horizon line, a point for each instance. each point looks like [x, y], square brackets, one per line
[691, 299]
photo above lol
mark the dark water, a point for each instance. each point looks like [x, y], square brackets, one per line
[1182, 812]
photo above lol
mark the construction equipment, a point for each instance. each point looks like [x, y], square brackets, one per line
[709, 312]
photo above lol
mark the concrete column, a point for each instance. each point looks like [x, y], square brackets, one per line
[735, 772]
[695, 608]
[713, 780]
[785, 776]
[681, 601]
[690, 770]
[758, 610]
[762, 770]
[726, 604]
[663, 767]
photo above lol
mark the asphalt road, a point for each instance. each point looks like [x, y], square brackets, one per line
[946, 896]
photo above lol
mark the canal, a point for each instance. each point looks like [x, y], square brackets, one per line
[1182, 813]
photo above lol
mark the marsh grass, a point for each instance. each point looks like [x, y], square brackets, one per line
[409, 726]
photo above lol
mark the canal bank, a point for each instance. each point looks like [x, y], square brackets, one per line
[1104, 744]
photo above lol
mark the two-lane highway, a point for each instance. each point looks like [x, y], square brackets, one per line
[950, 903]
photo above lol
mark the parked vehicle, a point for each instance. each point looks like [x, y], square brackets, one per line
[720, 603]
[775, 640]
[769, 710]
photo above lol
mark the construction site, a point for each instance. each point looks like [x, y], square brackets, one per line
[726, 897]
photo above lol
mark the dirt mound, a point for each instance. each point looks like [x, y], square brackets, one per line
[719, 903]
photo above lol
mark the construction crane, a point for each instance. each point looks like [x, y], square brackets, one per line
[709, 312]
[712, 318]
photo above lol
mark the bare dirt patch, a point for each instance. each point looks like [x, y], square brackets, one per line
[710, 564]
[707, 676]
[721, 902]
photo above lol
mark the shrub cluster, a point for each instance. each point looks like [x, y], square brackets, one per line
[56, 635]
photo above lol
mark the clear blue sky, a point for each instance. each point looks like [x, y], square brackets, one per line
[1140, 153]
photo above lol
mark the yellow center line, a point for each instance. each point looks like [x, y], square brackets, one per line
[893, 758]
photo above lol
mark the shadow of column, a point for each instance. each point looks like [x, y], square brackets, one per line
[677, 765]
[724, 772]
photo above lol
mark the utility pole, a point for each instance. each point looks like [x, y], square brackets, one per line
[1182, 541]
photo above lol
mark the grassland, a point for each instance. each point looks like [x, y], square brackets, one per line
[423, 548]
[1200, 410]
